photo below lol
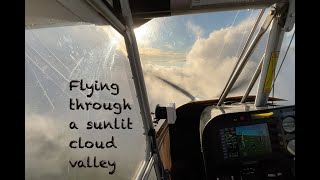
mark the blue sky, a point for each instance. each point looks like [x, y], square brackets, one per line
[175, 29]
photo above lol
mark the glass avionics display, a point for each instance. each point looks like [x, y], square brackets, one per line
[245, 141]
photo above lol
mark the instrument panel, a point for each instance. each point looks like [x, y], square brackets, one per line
[234, 138]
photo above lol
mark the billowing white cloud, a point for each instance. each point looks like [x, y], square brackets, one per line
[44, 147]
[48, 152]
[208, 66]
[154, 53]
[197, 30]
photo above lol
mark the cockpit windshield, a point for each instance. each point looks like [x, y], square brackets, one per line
[190, 57]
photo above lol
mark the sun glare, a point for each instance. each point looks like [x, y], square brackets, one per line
[141, 32]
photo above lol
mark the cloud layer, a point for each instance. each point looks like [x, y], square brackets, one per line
[207, 67]
[209, 64]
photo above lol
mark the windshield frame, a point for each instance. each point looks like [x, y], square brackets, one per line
[133, 55]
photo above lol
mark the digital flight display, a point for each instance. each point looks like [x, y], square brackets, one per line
[245, 141]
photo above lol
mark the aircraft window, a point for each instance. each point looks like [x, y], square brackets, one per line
[197, 53]
[94, 54]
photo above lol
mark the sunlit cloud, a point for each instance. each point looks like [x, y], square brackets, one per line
[207, 67]
[196, 30]
[155, 53]
[48, 153]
